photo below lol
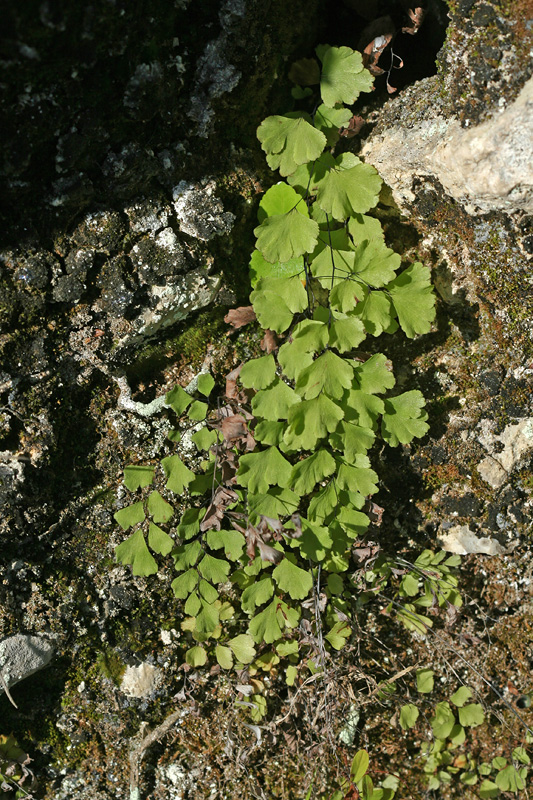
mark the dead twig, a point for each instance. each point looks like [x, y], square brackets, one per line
[137, 755]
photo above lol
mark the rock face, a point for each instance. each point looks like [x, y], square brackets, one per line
[132, 172]
[485, 168]
[23, 655]
[130, 169]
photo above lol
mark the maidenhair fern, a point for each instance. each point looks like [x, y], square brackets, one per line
[283, 489]
[269, 554]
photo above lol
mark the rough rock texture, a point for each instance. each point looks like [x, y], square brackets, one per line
[485, 168]
[130, 169]
[23, 655]
[132, 172]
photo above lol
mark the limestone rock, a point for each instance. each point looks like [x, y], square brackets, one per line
[461, 540]
[506, 451]
[22, 655]
[486, 168]
[140, 681]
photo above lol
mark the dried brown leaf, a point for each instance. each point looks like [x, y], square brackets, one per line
[416, 16]
[374, 512]
[231, 382]
[268, 553]
[353, 128]
[269, 342]
[237, 317]
[222, 498]
[233, 427]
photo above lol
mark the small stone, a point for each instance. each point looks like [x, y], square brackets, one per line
[140, 681]
[517, 441]
[462, 541]
[22, 655]
[201, 214]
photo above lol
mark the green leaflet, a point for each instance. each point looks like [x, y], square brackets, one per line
[310, 421]
[509, 780]
[361, 228]
[179, 476]
[289, 141]
[207, 591]
[323, 503]
[354, 523]
[373, 376]
[348, 187]
[346, 295]
[404, 418]
[258, 373]
[277, 503]
[138, 476]
[362, 408]
[346, 333]
[193, 606]
[292, 579]
[338, 634]
[257, 594]
[343, 76]
[178, 400]
[189, 524]
[258, 471]
[471, 715]
[293, 358]
[184, 584]
[376, 313]
[159, 541]
[274, 403]
[310, 335]
[130, 516]
[331, 267]
[315, 541]
[270, 431]
[204, 438]
[461, 696]
[159, 509]
[224, 656]
[359, 766]
[443, 721]
[413, 299]
[135, 552]
[207, 619]
[214, 569]
[408, 716]
[197, 411]
[286, 236]
[243, 648]
[276, 300]
[186, 555]
[328, 373]
[329, 120]
[357, 477]
[352, 439]
[280, 199]
[308, 472]
[424, 681]
[196, 656]
[206, 383]
[261, 268]
[269, 624]
[232, 541]
[375, 264]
